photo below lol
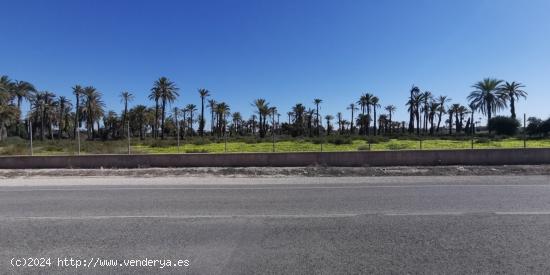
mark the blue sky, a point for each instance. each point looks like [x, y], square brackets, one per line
[284, 51]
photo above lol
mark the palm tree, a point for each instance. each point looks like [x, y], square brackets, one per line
[441, 100]
[212, 106]
[391, 109]
[512, 92]
[329, 127]
[64, 106]
[340, 122]
[450, 111]
[263, 110]
[317, 102]
[155, 95]
[426, 99]
[168, 92]
[93, 109]
[191, 109]
[203, 93]
[486, 97]
[137, 119]
[77, 91]
[8, 112]
[22, 90]
[374, 103]
[414, 91]
[363, 102]
[352, 108]
[414, 108]
[125, 97]
[222, 109]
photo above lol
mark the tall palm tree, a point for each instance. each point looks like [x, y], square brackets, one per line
[441, 100]
[329, 127]
[374, 103]
[427, 97]
[414, 103]
[155, 95]
[414, 91]
[222, 109]
[203, 93]
[262, 108]
[93, 109]
[390, 109]
[22, 90]
[317, 102]
[486, 97]
[168, 92]
[8, 112]
[212, 106]
[191, 109]
[64, 106]
[77, 91]
[125, 97]
[512, 92]
[352, 108]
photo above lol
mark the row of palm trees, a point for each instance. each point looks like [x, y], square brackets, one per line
[426, 113]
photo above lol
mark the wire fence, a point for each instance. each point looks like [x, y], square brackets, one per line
[228, 143]
[275, 144]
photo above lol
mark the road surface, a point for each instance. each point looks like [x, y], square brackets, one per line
[497, 224]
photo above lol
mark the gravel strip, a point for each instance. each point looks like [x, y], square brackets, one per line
[313, 171]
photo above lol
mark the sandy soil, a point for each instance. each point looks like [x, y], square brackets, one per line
[313, 171]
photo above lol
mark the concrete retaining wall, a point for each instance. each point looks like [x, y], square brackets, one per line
[376, 158]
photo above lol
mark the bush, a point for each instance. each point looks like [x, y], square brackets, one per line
[397, 146]
[200, 141]
[376, 139]
[483, 140]
[339, 140]
[363, 147]
[504, 125]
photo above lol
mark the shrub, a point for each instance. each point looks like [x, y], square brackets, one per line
[200, 141]
[397, 146]
[376, 139]
[339, 140]
[483, 140]
[504, 125]
[364, 147]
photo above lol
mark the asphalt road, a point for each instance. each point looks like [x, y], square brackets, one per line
[279, 225]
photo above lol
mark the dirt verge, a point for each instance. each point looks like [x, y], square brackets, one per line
[314, 171]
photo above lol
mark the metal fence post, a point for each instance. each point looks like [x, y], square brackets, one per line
[128, 129]
[78, 139]
[178, 134]
[524, 132]
[273, 142]
[30, 134]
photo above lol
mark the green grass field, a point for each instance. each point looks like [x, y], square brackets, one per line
[66, 147]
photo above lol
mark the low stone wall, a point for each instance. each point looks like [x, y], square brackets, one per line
[374, 158]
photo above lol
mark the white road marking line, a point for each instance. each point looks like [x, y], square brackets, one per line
[267, 216]
[273, 188]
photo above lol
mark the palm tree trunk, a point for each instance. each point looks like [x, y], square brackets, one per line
[155, 131]
[162, 119]
[512, 107]
[439, 121]
[374, 109]
[76, 115]
[201, 121]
